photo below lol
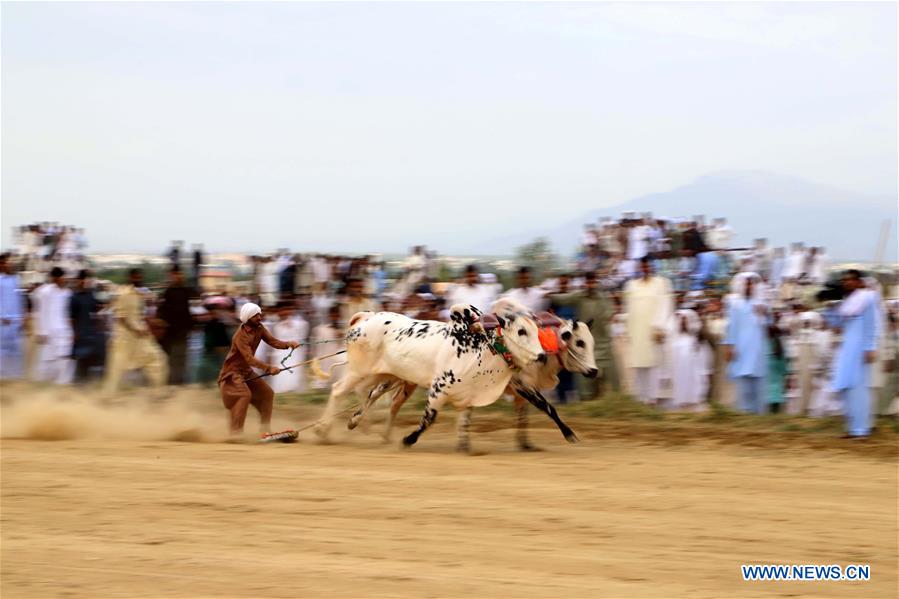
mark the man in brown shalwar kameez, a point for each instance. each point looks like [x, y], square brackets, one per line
[237, 391]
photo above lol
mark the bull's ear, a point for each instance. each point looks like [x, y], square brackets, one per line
[501, 320]
[589, 323]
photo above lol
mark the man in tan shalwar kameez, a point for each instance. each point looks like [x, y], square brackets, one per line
[133, 346]
[648, 304]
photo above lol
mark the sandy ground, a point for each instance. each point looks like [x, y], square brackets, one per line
[609, 517]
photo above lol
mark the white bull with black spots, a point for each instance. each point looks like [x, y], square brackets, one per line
[454, 362]
[575, 355]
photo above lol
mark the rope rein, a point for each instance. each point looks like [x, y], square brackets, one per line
[314, 341]
[292, 366]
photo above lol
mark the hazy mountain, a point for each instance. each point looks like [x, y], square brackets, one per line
[756, 204]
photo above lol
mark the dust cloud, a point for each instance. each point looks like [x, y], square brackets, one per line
[60, 413]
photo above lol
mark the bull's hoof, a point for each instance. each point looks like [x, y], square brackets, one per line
[410, 439]
[464, 448]
[571, 437]
[321, 431]
[352, 423]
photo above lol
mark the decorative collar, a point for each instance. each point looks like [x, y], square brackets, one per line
[498, 347]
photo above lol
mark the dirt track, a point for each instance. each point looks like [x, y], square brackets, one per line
[609, 517]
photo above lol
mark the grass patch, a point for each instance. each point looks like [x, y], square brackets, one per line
[826, 424]
[790, 427]
[617, 406]
[718, 413]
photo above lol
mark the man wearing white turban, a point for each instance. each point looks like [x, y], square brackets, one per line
[238, 392]
[248, 311]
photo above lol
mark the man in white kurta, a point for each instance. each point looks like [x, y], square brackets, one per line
[534, 298]
[808, 355]
[53, 330]
[690, 361]
[289, 326]
[270, 320]
[648, 304]
[479, 295]
[323, 347]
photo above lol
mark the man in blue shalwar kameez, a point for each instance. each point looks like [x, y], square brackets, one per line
[857, 316]
[12, 313]
[746, 343]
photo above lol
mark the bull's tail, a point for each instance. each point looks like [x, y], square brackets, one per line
[319, 373]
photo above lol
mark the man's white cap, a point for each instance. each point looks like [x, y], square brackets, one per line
[248, 311]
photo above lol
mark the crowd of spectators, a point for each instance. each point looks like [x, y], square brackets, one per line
[682, 318]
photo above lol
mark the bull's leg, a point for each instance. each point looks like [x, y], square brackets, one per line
[464, 443]
[398, 400]
[353, 422]
[521, 430]
[339, 391]
[539, 402]
[435, 402]
[373, 396]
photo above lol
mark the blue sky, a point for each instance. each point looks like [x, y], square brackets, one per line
[372, 126]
